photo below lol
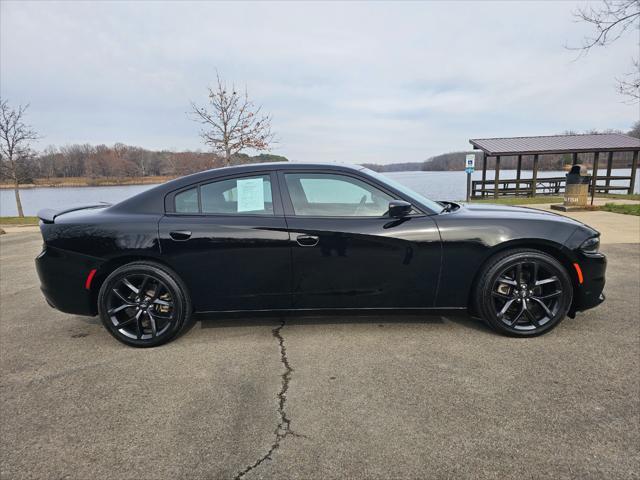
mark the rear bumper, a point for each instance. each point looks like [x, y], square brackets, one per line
[590, 294]
[62, 280]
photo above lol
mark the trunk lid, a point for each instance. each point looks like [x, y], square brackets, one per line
[49, 215]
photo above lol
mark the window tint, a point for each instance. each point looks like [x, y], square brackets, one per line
[187, 201]
[331, 195]
[246, 195]
[435, 206]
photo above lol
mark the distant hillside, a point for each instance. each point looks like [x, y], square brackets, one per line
[454, 161]
[444, 162]
[242, 158]
[395, 167]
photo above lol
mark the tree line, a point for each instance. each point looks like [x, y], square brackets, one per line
[455, 161]
[121, 161]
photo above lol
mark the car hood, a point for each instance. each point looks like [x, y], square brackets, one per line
[508, 211]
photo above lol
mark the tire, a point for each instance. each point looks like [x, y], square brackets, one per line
[144, 304]
[523, 293]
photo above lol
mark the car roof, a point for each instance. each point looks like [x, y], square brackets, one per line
[152, 200]
[257, 167]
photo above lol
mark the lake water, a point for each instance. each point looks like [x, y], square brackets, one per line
[435, 185]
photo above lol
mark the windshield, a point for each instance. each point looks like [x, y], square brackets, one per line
[435, 206]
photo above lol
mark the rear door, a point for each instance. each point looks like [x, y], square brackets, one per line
[227, 239]
[348, 253]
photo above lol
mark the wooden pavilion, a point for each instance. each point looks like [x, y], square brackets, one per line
[578, 147]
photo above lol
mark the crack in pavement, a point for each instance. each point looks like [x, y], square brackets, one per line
[283, 429]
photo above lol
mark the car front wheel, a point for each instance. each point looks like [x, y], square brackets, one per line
[144, 304]
[524, 292]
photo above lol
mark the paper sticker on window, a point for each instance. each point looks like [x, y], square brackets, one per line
[250, 194]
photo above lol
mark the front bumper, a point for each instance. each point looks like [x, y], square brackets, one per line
[62, 280]
[590, 294]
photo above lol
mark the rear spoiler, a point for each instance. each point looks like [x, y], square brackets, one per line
[48, 215]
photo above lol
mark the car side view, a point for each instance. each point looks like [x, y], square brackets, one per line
[311, 237]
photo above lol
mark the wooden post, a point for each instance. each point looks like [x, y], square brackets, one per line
[534, 178]
[574, 161]
[518, 171]
[496, 177]
[484, 171]
[609, 164]
[594, 179]
[634, 169]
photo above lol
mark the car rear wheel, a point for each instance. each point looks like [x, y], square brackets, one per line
[144, 304]
[524, 293]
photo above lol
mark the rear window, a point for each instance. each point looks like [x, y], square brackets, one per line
[235, 196]
[187, 201]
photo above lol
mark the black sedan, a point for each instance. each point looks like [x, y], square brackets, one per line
[303, 237]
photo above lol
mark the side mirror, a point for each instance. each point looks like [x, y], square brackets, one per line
[399, 209]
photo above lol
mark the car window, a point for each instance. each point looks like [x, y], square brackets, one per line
[334, 195]
[246, 195]
[235, 196]
[434, 206]
[187, 201]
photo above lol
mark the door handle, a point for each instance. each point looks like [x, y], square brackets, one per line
[180, 235]
[307, 240]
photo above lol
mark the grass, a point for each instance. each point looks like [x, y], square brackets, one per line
[19, 220]
[624, 209]
[89, 182]
[621, 196]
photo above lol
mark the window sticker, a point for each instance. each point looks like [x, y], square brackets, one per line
[250, 194]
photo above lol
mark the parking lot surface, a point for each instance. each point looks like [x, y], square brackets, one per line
[318, 397]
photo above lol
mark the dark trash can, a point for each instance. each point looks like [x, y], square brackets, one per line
[576, 190]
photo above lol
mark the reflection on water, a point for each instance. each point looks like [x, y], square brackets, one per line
[435, 185]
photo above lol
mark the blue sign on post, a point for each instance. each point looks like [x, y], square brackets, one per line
[470, 163]
[469, 167]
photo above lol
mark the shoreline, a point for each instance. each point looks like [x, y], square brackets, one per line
[73, 182]
[89, 182]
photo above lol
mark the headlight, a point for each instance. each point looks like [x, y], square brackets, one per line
[590, 245]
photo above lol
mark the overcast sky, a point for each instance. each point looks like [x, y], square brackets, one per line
[351, 82]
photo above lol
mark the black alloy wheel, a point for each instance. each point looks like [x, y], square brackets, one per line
[143, 304]
[524, 293]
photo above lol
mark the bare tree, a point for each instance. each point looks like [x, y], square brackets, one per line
[629, 85]
[15, 145]
[232, 123]
[611, 20]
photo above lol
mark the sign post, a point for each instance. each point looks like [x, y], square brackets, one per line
[469, 167]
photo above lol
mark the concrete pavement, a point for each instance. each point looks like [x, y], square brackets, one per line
[318, 397]
[613, 227]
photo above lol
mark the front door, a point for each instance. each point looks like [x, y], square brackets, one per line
[228, 240]
[348, 253]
